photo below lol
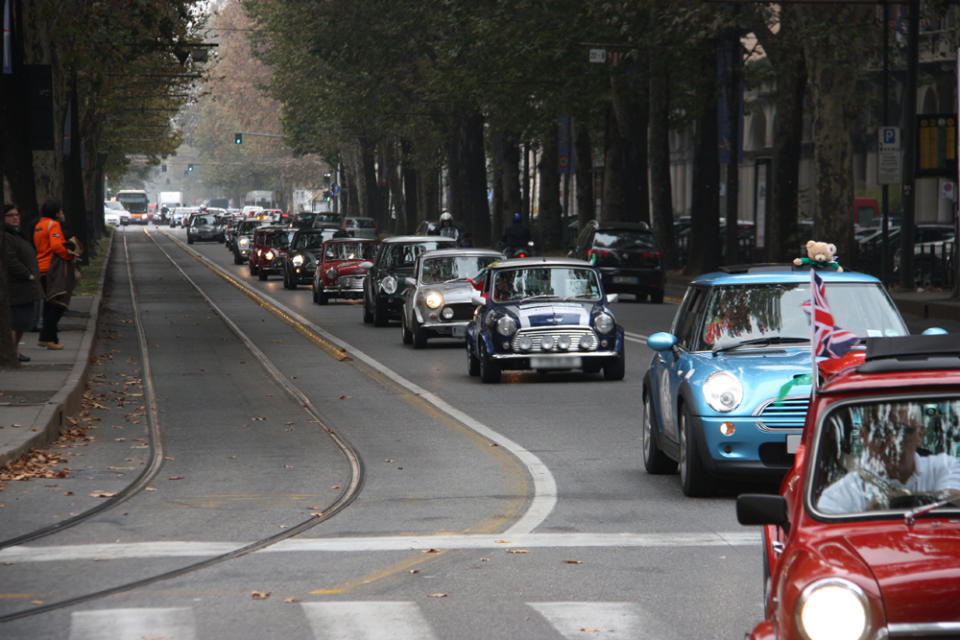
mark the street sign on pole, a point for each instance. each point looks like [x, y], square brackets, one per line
[889, 157]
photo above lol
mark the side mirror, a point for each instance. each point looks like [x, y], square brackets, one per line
[661, 341]
[761, 508]
[477, 299]
[366, 265]
[934, 331]
[613, 297]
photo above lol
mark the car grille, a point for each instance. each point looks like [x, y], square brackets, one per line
[350, 282]
[537, 335]
[461, 311]
[788, 414]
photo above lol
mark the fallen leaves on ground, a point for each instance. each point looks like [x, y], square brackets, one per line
[518, 551]
[100, 493]
[437, 595]
[260, 595]
[35, 464]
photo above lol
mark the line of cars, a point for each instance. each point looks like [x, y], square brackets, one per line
[724, 398]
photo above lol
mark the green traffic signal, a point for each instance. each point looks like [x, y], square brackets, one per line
[189, 167]
[238, 138]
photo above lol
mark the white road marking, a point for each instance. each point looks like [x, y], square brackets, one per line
[133, 624]
[367, 621]
[602, 619]
[137, 550]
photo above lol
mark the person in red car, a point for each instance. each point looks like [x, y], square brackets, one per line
[890, 464]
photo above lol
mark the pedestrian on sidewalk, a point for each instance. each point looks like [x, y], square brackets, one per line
[53, 258]
[23, 278]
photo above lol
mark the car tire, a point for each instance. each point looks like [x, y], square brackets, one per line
[657, 297]
[367, 315]
[473, 364]
[654, 460]
[419, 335]
[406, 334]
[320, 297]
[236, 258]
[253, 269]
[189, 240]
[693, 478]
[262, 274]
[379, 313]
[489, 370]
[615, 368]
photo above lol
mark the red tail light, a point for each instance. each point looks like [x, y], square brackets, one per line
[600, 253]
[656, 255]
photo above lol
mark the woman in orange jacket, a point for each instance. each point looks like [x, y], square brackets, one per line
[48, 240]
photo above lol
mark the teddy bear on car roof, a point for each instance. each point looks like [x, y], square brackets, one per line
[820, 254]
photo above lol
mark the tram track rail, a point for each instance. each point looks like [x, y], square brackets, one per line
[347, 495]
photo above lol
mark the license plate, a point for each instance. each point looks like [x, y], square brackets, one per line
[624, 280]
[559, 362]
[793, 442]
[459, 332]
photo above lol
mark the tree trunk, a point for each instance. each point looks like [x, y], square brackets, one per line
[661, 199]
[392, 171]
[410, 177]
[631, 110]
[704, 250]
[584, 172]
[835, 107]
[510, 186]
[614, 171]
[549, 220]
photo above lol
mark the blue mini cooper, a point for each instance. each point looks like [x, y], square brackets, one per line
[543, 314]
[710, 396]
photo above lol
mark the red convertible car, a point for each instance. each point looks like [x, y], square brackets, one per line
[863, 541]
[339, 273]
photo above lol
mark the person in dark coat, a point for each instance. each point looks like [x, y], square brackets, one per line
[23, 278]
[517, 235]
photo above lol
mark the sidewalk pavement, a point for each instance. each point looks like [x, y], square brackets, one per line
[37, 398]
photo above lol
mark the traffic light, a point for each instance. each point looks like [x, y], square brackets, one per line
[238, 138]
[326, 195]
[189, 167]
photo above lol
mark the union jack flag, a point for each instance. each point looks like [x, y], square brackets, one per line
[828, 339]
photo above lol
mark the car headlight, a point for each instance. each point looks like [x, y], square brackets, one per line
[244, 242]
[833, 608]
[506, 326]
[723, 391]
[268, 255]
[297, 260]
[604, 323]
[433, 299]
[332, 274]
[389, 285]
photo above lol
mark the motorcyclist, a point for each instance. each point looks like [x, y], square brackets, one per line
[517, 236]
[446, 227]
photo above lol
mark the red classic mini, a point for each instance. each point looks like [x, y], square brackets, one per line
[863, 541]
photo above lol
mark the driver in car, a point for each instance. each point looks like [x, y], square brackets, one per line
[890, 466]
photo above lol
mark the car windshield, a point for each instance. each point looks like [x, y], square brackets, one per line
[404, 255]
[737, 313]
[887, 454]
[545, 282]
[309, 241]
[350, 251]
[276, 239]
[444, 268]
[623, 239]
[114, 205]
[202, 221]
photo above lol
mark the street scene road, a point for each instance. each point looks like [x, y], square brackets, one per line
[424, 503]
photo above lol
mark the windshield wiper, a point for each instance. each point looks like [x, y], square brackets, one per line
[910, 517]
[759, 341]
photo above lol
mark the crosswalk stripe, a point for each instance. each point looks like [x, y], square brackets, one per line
[605, 619]
[174, 623]
[367, 621]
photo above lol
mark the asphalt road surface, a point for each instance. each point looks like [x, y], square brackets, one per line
[294, 473]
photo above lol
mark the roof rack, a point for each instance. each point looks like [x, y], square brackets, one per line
[911, 353]
[762, 267]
